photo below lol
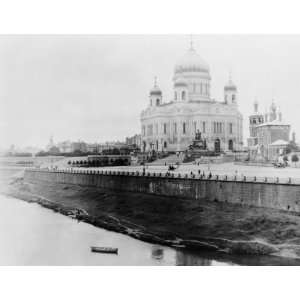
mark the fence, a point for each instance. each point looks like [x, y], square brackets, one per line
[202, 176]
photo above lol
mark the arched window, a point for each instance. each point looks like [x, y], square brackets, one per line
[183, 95]
[165, 144]
[175, 96]
[233, 98]
[183, 128]
[157, 101]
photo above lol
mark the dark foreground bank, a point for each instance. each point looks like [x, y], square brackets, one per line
[207, 226]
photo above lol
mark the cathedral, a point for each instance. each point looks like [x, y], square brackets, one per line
[171, 126]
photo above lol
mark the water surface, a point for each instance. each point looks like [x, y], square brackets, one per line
[33, 235]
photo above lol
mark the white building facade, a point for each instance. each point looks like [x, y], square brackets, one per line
[269, 135]
[171, 126]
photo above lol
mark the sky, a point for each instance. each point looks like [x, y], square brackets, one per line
[94, 87]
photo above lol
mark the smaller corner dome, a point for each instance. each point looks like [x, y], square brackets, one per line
[156, 91]
[180, 82]
[230, 86]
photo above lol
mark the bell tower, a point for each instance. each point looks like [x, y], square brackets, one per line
[230, 92]
[255, 119]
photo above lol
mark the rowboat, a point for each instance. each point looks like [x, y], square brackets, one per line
[104, 250]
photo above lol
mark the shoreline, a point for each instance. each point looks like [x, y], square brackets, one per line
[249, 235]
[164, 237]
[116, 225]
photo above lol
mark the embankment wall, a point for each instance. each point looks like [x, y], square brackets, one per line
[261, 194]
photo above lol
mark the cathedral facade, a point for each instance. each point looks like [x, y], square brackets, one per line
[172, 125]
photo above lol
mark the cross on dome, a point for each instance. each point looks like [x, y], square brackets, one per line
[230, 85]
[192, 43]
[155, 90]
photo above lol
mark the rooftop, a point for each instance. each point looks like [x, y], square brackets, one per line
[279, 143]
[273, 123]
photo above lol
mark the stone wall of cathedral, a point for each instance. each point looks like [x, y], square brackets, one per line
[175, 132]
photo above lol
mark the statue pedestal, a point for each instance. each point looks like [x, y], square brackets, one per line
[198, 147]
[198, 143]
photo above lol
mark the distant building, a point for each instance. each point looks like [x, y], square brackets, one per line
[65, 146]
[79, 146]
[135, 140]
[69, 147]
[269, 135]
[93, 148]
[50, 144]
[109, 160]
[171, 126]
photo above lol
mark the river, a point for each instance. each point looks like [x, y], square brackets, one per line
[33, 235]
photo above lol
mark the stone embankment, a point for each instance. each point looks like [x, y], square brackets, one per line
[261, 192]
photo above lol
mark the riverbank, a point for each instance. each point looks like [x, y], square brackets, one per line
[206, 226]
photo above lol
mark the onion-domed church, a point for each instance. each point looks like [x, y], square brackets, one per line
[172, 125]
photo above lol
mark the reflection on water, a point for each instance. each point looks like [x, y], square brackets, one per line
[184, 259]
[157, 252]
[33, 235]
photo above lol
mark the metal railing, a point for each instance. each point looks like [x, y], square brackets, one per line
[202, 176]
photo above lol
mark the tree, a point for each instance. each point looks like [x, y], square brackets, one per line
[295, 158]
[292, 146]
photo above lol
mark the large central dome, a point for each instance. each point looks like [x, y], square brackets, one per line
[191, 62]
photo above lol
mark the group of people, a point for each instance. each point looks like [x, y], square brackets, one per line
[202, 175]
[172, 167]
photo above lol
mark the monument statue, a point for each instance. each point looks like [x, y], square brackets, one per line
[198, 142]
[198, 135]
